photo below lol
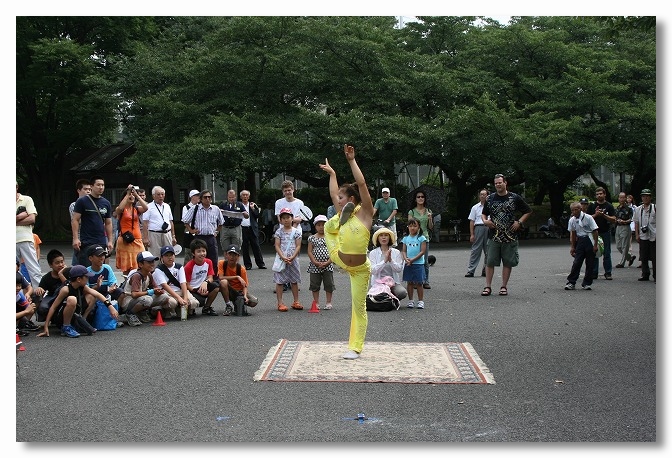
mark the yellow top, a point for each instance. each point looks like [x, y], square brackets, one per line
[353, 235]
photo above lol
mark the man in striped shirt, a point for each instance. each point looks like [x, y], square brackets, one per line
[208, 223]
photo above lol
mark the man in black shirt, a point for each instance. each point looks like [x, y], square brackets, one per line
[604, 214]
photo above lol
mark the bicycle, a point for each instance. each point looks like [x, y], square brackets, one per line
[456, 228]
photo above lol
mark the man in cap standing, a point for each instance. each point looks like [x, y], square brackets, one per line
[386, 209]
[194, 199]
[645, 230]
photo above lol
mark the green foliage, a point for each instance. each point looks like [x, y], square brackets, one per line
[542, 100]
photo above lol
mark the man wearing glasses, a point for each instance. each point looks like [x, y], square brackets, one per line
[208, 223]
[501, 208]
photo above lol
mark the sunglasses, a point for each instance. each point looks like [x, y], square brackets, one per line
[419, 197]
[206, 197]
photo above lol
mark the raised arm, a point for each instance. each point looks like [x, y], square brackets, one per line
[367, 204]
[333, 184]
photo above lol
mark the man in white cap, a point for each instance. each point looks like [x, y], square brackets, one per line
[386, 209]
[194, 199]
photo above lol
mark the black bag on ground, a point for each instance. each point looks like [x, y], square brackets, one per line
[382, 302]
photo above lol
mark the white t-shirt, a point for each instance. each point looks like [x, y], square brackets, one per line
[294, 206]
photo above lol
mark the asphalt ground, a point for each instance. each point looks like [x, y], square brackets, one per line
[572, 367]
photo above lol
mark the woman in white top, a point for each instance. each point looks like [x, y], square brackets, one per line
[387, 260]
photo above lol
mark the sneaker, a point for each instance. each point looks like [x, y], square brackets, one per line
[421, 304]
[327, 307]
[297, 306]
[282, 308]
[69, 331]
[586, 287]
[228, 310]
[172, 314]
[29, 326]
[410, 305]
[619, 266]
[346, 212]
[209, 311]
[632, 259]
[144, 317]
[133, 320]
[350, 354]
[426, 286]
[570, 286]
[607, 277]
[469, 274]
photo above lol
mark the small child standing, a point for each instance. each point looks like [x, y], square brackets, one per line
[320, 268]
[413, 251]
[287, 247]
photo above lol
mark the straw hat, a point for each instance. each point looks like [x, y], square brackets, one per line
[384, 230]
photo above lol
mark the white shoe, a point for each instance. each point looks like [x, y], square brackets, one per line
[410, 305]
[327, 307]
[421, 304]
[350, 354]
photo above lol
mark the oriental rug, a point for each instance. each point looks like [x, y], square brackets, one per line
[391, 362]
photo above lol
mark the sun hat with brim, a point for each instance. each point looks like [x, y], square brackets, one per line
[384, 230]
[645, 192]
[320, 218]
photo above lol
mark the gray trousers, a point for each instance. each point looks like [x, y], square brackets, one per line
[480, 242]
[623, 239]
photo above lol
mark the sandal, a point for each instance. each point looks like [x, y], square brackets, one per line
[486, 291]
[503, 291]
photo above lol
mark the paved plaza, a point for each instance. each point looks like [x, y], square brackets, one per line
[569, 366]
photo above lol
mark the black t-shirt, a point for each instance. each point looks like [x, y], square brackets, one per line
[50, 284]
[602, 224]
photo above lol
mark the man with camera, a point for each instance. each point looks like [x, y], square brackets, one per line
[604, 215]
[645, 229]
[158, 229]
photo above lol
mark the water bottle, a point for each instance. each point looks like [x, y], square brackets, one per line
[183, 313]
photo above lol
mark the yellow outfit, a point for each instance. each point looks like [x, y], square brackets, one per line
[352, 238]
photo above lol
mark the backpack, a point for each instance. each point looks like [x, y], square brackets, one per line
[382, 302]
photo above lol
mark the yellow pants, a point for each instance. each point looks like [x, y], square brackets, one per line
[359, 283]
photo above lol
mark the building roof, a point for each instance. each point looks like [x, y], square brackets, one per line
[103, 157]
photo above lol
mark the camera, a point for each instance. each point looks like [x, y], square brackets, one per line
[20, 209]
[164, 226]
[645, 229]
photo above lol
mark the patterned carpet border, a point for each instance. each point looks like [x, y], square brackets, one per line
[391, 362]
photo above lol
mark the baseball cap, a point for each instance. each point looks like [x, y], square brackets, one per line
[146, 256]
[286, 210]
[584, 201]
[233, 249]
[645, 192]
[167, 249]
[319, 218]
[79, 271]
[385, 190]
[97, 250]
[193, 192]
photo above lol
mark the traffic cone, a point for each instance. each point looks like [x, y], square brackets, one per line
[159, 319]
[313, 308]
[18, 341]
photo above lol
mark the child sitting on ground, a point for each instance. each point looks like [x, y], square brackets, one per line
[320, 268]
[200, 277]
[51, 283]
[233, 283]
[70, 301]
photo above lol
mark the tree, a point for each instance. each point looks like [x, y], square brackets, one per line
[63, 100]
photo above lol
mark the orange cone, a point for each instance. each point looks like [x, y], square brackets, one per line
[159, 319]
[313, 308]
[20, 343]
